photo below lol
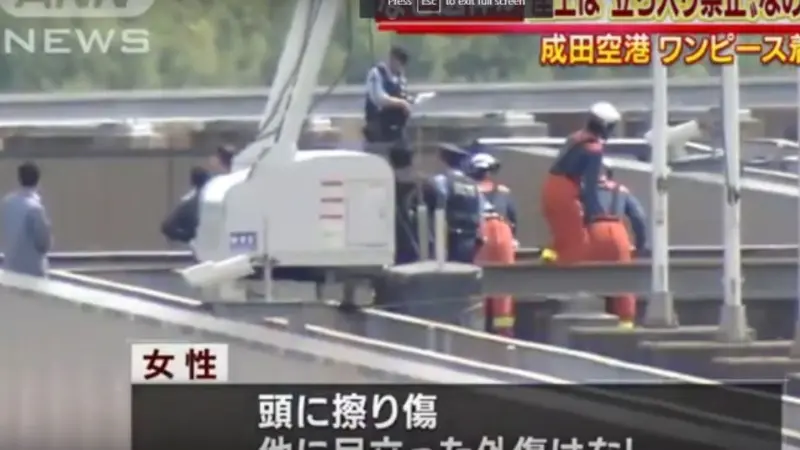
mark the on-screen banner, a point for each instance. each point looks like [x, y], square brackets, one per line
[439, 417]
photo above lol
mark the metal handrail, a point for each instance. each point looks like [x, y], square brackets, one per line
[574, 96]
[159, 259]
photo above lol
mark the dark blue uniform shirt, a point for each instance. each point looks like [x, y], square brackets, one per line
[581, 160]
[463, 202]
[381, 82]
[617, 201]
[497, 199]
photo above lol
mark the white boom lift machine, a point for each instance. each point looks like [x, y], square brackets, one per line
[330, 209]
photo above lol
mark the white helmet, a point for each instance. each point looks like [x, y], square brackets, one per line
[606, 112]
[603, 117]
[484, 161]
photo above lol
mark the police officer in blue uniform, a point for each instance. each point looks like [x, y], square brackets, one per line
[462, 201]
[387, 107]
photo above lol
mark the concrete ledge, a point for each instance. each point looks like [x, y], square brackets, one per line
[679, 333]
[561, 324]
[689, 279]
[756, 368]
[733, 349]
[697, 357]
[624, 343]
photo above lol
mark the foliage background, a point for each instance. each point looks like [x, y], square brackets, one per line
[205, 43]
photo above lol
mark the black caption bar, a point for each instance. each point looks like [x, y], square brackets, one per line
[437, 417]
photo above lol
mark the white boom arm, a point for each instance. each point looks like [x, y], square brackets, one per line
[295, 82]
[330, 209]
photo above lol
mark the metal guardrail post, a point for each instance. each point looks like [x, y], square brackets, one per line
[796, 346]
[733, 320]
[440, 236]
[423, 219]
[269, 283]
[660, 309]
[423, 231]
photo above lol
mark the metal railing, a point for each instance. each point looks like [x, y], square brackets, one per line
[702, 158]
[770, 272]
[86, 262]
[574, 96]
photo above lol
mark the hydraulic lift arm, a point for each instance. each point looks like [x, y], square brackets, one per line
[328, 210]
[292, 90]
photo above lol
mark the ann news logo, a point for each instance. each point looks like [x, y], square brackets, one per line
[75, 8]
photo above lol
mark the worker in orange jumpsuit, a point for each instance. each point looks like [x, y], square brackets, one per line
[609, 239]
[498, 231]
[571, 188]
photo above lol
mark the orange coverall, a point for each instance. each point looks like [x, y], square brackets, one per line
[579, 162]
[497, 248]
[609, 239]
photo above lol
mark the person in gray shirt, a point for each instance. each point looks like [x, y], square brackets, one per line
[27, 236]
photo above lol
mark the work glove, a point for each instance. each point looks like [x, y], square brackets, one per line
[548, 256]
